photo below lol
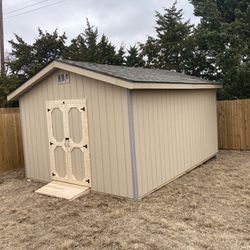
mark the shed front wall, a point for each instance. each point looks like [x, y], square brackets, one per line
[107, 107]
[175, 130]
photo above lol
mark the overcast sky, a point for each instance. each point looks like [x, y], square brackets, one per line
[123, 21]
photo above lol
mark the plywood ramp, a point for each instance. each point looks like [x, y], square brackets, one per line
[63, 190]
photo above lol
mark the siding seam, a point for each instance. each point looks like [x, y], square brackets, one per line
[132, 146]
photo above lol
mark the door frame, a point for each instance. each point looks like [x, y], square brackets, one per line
[67, 143]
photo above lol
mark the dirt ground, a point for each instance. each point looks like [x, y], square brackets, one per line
[209, 208]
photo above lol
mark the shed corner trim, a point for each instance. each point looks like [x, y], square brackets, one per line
[132, 147]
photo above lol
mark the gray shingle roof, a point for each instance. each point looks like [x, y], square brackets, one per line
[139, 75]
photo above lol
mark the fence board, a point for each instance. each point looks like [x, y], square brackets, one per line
[11, 150]
[234, 124]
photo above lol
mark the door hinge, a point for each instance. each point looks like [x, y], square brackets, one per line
[48, 110]
[88, 181]
[83, 109]
[85, 146]
[51, 143]
[53, 174]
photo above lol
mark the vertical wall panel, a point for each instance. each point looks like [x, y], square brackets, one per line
[108, 131]
[175, 130]
[118, 124]
[126, 142]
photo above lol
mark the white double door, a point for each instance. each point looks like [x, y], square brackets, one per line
[68, 141]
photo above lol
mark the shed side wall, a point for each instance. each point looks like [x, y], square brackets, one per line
[108, 131]
[175, 130]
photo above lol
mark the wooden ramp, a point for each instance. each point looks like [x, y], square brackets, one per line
[63, 190]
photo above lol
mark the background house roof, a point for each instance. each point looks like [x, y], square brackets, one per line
[139, 75]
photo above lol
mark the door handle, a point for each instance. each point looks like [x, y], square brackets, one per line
[66, 143]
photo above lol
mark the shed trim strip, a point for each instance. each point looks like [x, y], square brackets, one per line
[132, 146]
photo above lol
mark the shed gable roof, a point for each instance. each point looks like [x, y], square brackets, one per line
[139, 75]
[127, 77]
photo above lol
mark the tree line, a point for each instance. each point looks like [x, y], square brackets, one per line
[218, 48]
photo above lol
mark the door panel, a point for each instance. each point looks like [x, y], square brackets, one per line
[57, 124]
[68, 140]
[60, 162]
[77, 157]
[75, 125]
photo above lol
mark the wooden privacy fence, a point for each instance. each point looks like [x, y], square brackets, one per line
[11, 150]
[234, 124]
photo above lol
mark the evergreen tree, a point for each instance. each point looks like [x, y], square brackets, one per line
[150, 52]
[106, 53]
[21, 57]
[223, 37]
[48, 47]
[134, 58]
[27, 60]
[7, 84]
[173, 38]
[86, 47]
[76, 51]
[120, 56]
[173, 46]
[90, 37]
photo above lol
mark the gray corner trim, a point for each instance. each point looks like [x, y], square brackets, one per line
[22, 131]
[132, 146]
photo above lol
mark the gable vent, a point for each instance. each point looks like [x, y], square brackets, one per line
[63, 78]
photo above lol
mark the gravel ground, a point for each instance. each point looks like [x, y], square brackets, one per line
[208, 208]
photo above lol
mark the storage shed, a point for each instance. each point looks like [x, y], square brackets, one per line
[114, 129]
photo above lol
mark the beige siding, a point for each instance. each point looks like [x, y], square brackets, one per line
[174, 131]
[108, 131]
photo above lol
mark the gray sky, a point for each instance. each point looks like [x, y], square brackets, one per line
[123, 21]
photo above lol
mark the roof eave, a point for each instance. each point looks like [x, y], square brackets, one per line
[31, 82]
[104, 78]
[176, 85]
